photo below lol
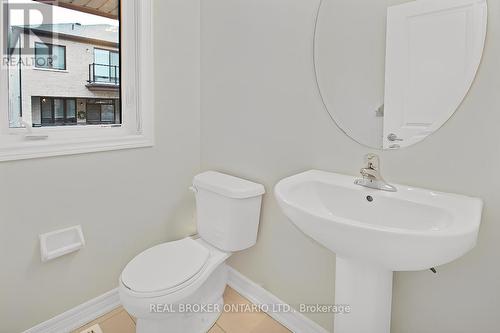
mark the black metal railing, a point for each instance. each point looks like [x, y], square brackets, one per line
[104, 74]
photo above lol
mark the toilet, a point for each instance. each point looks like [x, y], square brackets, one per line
[178, 286]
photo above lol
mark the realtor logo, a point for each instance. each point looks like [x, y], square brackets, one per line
[19, 37]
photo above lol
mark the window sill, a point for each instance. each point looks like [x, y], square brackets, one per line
[50, 70]
[45, 148]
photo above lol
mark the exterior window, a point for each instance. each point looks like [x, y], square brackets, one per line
[71, 110]
[57, 111]
[91, 47]
[75, 104]
[101, 112]
[106, 66]
[50, 56]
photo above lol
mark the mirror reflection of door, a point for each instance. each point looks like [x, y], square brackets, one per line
[392, 72]
[433, 52]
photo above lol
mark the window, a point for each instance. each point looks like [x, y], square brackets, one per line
[91, 45]
[101, 111]
[50, 56]
[106, 66]
[57, 111]
[77, 105]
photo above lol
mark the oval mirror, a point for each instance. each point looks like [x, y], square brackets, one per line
[392, 72]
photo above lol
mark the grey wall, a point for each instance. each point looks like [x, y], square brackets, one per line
[126, 201]
[262, 118]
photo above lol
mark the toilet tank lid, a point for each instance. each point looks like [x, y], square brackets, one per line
[226, 185]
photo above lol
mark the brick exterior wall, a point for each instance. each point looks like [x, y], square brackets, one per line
[71, 82]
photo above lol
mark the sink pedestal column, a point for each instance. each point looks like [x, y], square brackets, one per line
[367, 288]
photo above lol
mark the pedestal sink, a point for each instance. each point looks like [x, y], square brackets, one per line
[375, 233]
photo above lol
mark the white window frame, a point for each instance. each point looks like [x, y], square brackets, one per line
[137, 101]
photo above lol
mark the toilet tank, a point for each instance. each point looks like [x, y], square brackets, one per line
[228, 210]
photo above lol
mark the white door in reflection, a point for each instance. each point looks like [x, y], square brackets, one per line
[433, 52]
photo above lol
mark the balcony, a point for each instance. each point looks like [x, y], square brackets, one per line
[103, 77]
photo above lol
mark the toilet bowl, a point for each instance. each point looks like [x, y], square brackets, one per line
[178, 286]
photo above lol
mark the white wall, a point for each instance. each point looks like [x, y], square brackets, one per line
[262, 118]
[126, 201]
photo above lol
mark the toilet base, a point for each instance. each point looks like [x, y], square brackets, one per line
[195, 313]
[195, 322]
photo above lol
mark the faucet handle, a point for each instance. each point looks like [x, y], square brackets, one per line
[371, 175]
[372, 161]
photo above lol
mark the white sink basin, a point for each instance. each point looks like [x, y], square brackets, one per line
[411, 229]
[374, 232]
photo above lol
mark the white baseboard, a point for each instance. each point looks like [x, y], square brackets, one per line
[80, 315]
[99, 306]
[293, 320]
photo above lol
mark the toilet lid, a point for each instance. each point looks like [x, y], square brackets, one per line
[165, 266]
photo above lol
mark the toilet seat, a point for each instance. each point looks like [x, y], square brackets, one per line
[204, 287]
[166, 268]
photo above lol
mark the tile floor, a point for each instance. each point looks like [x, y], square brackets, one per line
[119, 321]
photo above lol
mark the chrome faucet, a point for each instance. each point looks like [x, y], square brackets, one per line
[371, 175]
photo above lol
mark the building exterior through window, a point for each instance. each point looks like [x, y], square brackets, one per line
[74, 78]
